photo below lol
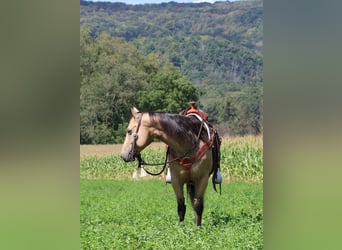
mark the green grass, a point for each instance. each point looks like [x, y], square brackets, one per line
[122, 214]
[118, 213]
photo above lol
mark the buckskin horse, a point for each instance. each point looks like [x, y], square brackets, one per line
[191, 155]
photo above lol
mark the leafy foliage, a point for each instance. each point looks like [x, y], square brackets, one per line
[159, 57]
[168, 92]
[115, 76]
[247, 118]
[209, 43]
[111, 74]
[166, 19]
[206, 60]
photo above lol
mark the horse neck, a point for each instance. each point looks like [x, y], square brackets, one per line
[178, 144]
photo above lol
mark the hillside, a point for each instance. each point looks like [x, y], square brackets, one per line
[215, 44]
[160, 56]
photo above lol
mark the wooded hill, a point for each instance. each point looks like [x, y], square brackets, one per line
[217, 47]
[215, 44]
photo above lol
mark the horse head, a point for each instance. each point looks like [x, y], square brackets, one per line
[137, 136]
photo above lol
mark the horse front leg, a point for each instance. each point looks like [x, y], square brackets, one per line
[181, 208]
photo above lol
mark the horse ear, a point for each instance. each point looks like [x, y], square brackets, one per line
[134, 111]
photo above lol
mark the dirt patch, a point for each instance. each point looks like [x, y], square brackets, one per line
[109, 149]
[99, 150]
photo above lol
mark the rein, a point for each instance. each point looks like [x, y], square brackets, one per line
[142, 163]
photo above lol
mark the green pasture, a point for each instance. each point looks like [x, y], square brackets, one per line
[123, 214]
[118, 212]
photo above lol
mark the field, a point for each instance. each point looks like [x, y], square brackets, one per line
[120, 213]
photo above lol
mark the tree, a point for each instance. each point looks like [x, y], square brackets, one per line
[112, 74]
[168, 91]
[115, 77]
[249, 111]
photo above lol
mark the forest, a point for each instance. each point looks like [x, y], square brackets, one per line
[158, 57]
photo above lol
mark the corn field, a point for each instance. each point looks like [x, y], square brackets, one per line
[241, 160]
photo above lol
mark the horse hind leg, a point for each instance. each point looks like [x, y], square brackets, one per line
[197, 203]
[198, 207]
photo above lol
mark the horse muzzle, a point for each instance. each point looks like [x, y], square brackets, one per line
[129, 157]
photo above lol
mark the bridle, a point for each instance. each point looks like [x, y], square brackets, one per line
[132, 152]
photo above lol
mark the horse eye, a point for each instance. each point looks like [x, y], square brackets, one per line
[129, 132]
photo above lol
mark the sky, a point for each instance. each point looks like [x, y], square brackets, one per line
[160, 1]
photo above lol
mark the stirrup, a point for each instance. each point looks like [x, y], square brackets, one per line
[168, 175]
[218, 179]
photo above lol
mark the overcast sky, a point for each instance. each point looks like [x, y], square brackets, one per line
[160, 1]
